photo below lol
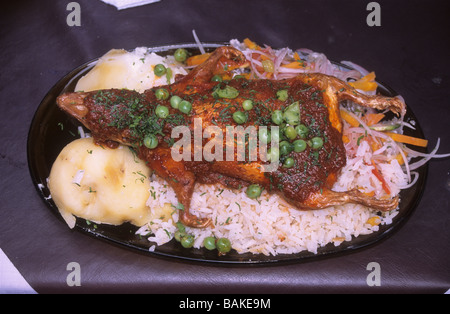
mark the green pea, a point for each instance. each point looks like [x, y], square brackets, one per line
[286, 148]
[209, 243]
[277, 117]
[175, 101]
[239, 117]
[290, 132]
[223, 245]
[247, 105]
[289, 162]
[185, 106]
[299, 146]
[264, 136]
[162, 94]
[216, 78]
[178, 235]
[253, 191]
[302, 130]
[180, 54]
[151, 141]
[187, 241]
[282, 94]
[162, 111]
[316, 142]
[159, 70]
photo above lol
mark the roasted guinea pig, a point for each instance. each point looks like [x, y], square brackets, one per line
[128, 117]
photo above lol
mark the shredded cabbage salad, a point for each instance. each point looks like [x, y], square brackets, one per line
[374, 141]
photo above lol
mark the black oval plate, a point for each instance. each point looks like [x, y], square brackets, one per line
[52, 129]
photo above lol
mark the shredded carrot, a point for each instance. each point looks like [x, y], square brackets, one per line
[407, 139]
[373, 221]
[293, 65]
[297, 57]
[399, 158]
[366, 83]
[373, 118]
[250, 44]
[365, 86]
[370, 194]
[374, 144]
[377, 174]
[197, 59]
[369, 77]
[345, 139]
[348, 118]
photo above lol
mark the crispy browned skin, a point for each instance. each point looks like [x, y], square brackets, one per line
[118, 116]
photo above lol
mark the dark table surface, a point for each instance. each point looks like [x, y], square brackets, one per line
[409, 52]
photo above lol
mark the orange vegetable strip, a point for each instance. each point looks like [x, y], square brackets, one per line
[364, 85]
[399, 158]
[293, 65]
[373, 118]
[349, 118]
[407, 139]
[369, 77]
[377, 174]
[374, 221]
[250, 44]
[345, 139]
[374, 144]
[197, 59]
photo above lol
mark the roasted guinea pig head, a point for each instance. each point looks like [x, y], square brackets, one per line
[130, 118]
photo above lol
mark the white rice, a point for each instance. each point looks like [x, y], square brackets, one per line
[266, 226]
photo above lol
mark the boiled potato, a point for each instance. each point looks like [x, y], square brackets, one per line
[109, 72]
[99, 184]
[110, 185]
[132, 70]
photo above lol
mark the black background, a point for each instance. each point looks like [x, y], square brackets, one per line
[409, 52]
